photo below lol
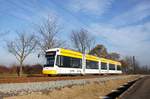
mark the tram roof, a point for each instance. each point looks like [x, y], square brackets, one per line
[76, 54]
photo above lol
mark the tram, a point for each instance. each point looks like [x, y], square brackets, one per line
[60, 61]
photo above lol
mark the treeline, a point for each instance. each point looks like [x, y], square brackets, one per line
[27, 69]
[132, 66]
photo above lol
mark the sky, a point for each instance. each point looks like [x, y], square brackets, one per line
[123, 26]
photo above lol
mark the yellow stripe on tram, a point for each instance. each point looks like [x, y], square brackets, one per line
[49, 72]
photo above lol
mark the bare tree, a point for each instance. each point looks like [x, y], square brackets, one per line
[82, 40]
[21, 47]
[130, 65]
[47, 34]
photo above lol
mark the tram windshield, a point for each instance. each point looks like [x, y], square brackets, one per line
[50, 59]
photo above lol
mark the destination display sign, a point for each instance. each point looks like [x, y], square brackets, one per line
[50, 53]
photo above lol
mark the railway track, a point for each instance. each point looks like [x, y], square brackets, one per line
[42, 78]
[16, 85]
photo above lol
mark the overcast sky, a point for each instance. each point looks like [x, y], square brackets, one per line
[123, 26]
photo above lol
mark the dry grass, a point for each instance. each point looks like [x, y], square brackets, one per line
[89, 91]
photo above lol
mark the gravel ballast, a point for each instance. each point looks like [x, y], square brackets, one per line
[25, 88]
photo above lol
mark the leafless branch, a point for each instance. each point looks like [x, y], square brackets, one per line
[48, 34]
[82, 40]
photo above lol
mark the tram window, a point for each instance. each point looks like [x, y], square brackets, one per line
[103, 66]
[68, 62]
[91, 64]
[50, 59]
[75, 63]
[65, 61]
[118, 67]
[111, 66]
